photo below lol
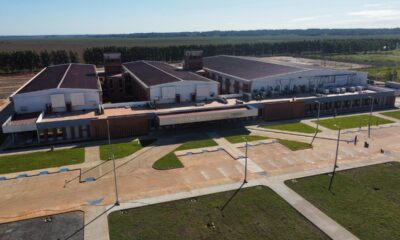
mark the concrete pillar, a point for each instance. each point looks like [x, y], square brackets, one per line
[88, 131]
[68, 133]
[38, 135]
[84, 132]
[76, 132]
[46, 135]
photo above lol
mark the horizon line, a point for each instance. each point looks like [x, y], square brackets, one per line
[178, 32]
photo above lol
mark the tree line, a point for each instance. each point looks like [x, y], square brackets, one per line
[353, 32]
[31, 60]
[18, 61]
[296, 48]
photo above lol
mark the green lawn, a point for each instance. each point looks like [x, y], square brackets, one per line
[255, 213]
[171, 161]
[394, 114]
[383, 73]
[352, 122]
[197, 144]
[369, 57]
[168, 162]
[242, 138]
[383, 63]
[364, 200]
[294, 145]
[120, 150]
[292, 127]
[40, 160]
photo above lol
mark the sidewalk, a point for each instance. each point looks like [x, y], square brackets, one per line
[313, 214]
[236, 153]
[92, 154]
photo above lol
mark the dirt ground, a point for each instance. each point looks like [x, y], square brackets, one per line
[9, 83]
[316, 63]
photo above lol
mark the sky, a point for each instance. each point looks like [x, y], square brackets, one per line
[47, 17]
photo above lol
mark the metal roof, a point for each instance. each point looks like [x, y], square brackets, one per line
[246, 68]
[63, 76]
[81, 76]
[153, 73]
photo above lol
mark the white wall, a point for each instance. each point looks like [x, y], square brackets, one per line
[36, 101]
[306, 77]
[317, 78]
[185, 89]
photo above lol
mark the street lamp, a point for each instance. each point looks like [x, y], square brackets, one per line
[245, 163]
[319, 112]
[111, 156]
[370, 116]
[336, 158]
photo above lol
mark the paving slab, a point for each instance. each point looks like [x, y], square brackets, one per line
[60, 226]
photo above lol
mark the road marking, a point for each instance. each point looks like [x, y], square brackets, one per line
[222, 171]
[205, 175]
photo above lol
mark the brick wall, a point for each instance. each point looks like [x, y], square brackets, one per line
[120, 127]
[283, 110]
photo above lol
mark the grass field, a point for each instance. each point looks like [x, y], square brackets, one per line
[242, 138]
[171, 161]
[369, 57]
[383, 63]
[295, 145]
[80, 43]
[197, 144]
[352, 122]
[292, 127]
[364, 200]
[40, 160]
[255, 213]
[382, 73]
[120, 150]
[394, 114]
[168, 162]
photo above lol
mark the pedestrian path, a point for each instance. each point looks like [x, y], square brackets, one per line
[313, 214]
[92, 154]
[378, 114]
[236, 153]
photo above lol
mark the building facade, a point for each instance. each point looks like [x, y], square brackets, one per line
[162, 83]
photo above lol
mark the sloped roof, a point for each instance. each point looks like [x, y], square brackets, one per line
[63, 76]
[154, 73]
[245, 68]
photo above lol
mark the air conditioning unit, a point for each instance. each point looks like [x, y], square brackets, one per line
[352, 89]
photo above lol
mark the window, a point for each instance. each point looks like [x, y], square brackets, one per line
[120, 83]
[111, 83]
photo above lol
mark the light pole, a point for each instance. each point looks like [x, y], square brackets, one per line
[336, 158]
[245, 163]
[370, 116]
[111, 156]
[319, 113]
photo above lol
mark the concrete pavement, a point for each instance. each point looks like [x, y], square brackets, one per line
[92, 154]
[138, 182]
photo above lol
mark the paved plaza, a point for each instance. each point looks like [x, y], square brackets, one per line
[205, 171]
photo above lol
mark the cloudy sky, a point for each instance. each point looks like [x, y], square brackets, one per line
[37, 17]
